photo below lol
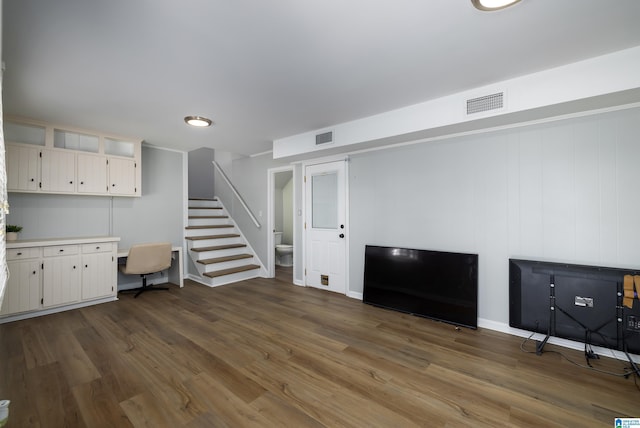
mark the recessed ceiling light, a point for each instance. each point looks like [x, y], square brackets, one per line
[493, 4]
[198, 121]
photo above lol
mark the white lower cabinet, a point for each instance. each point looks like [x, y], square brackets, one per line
[60, 275]
[55, 274]
[98, 271]
[23, 287]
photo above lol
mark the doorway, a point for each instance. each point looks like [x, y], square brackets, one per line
[281, 222]
[326, 226]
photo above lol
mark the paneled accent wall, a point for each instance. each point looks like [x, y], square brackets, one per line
[567, 190]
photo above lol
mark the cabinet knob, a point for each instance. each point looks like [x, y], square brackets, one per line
[97, 248]
[86, 266]
[61, 250]
[34, 272]
[113, 185]
[33, 179]
[71, 182]
[82, 182]
[19, 254]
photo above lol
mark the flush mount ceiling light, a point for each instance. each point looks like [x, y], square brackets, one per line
[493, 4]
[199, 121]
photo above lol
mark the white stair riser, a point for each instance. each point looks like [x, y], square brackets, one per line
[207, 232]
[235, 277]
[205, 212]
[195, 203]
[201, 255]
[218, 241]
[208, 221]
[226, 265]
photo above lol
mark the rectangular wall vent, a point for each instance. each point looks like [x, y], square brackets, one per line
[324, 138]
[485, 103]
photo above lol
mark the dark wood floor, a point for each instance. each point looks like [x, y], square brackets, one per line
[267, 353]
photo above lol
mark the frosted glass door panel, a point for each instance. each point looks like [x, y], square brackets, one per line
[325, 201]
[119, 148]
[75, 141]
[25, 134]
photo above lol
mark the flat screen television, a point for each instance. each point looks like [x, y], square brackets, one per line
[433, 284]
[585, 300]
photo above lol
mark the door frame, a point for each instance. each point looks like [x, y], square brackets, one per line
[271, 257]
[347, 223]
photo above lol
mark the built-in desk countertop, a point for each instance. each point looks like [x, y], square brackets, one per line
[28, 243]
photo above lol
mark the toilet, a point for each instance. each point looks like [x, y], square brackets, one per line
[284, 252]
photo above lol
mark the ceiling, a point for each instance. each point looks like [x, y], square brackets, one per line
[264, 70]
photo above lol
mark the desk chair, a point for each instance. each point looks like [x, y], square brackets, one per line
[145, 259]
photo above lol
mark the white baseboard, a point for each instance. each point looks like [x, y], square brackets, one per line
[41, 312]
[354, 295]
[565, 343]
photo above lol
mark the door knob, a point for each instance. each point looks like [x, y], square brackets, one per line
[341, 235]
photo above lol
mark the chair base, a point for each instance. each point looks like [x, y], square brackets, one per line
[144, 288]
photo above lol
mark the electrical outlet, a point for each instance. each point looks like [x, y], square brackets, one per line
[633, 323]
[585, 302]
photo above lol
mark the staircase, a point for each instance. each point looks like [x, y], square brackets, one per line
[217, 247]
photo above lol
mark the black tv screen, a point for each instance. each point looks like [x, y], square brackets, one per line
[585, 299]
[433, 284]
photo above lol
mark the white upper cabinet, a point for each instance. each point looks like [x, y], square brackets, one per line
[122, 176]
[58, 171]
[23, 167]
[43, 158]
[92, 173]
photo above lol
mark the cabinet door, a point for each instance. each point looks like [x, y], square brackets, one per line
[98, 272]
[23, 287]
[58, 171]
[122, 176]
[92, 174]
[61, 280]
[22, 168]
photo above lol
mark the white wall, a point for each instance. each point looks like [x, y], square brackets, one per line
[287, 213]
[278, 206]
[201, 173]
[249, 176]
[561, 191]
[158, 214]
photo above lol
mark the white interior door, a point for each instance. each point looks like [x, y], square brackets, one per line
[325, 226]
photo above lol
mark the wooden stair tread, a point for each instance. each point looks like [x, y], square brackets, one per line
[210, 226]
[225, 259]
[207, 216]
[229, 271]
[218, 247]
[203, 199]
[205, 208]
[200, 238]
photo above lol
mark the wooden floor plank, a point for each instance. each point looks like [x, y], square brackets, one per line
[266, 353]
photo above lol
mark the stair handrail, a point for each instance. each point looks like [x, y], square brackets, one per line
[237, 195]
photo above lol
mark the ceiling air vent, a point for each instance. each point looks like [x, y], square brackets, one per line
[485, 103]
[324, 138]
